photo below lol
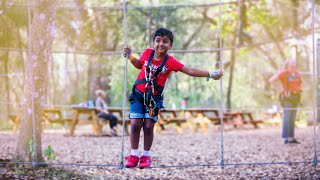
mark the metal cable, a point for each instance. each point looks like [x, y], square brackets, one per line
[162, 167]
[208, 50]
[118, 7]
[221, 89]
[125, 82]
[314, 77]
[62, 164]
[70, 106]
[11, 75]
[233, 164]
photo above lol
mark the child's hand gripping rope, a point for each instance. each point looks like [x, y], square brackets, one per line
[126, 51]
[215, 75]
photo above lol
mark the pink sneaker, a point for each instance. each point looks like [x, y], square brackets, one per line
[145, 162]
[132, 161]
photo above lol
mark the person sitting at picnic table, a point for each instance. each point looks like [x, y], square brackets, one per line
[290, 94]
[103, 113]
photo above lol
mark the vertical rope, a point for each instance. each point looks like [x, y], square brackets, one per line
[35, 158]
[125, 82]
[221, 90]
[315, 159]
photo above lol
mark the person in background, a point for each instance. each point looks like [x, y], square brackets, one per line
[290, 94]
[103, 113]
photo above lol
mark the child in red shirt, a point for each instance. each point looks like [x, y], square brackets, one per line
[146, 98]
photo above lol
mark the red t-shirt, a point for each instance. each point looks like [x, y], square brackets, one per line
[290, 81]
[171, 65]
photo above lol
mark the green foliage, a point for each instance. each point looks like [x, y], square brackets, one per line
[99, 30]
[49, 153]
[31, 148]
[20, 170]
[262, 15]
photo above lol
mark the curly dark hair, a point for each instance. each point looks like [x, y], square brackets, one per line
[163, 32]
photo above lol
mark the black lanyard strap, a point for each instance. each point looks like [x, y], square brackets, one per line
[159, 69]
[151, 79]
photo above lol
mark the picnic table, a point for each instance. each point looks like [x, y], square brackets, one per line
[54, 116]
[242, 117]
[191, 117]
[273, 118]
[91, 112]
[96, 123]
[49, 116]
[171, 116]
[201, 117]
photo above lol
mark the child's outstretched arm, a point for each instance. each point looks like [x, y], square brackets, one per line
[202, 73]
[127, 53]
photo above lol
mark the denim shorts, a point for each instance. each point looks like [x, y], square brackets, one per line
[137, 108]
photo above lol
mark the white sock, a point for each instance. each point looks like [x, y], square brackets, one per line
[290, 138]
[145, 153]
[134, 152]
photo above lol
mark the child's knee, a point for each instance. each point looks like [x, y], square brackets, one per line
[148, 129]
[136, 127]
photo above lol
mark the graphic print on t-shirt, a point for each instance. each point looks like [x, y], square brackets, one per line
[171, 65]
[154, 68]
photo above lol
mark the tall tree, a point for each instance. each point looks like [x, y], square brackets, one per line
[40, 41]
[241, 23]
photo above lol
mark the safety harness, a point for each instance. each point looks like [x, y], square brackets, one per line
[151, 85]
[289, 79]
[293, 97]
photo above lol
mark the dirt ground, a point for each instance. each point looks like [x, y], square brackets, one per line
[88, 157]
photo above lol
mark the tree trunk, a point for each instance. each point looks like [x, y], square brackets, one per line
[40, 39]
[295, 26]
[7, 82]
[272, 36]
[232, 63]
[295, 13]
[233, 58]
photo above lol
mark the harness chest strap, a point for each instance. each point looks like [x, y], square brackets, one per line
[148, 80]
[287, 91]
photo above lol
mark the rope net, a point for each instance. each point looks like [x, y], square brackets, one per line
[86, 56]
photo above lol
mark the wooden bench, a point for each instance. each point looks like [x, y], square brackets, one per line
[53, 116]
[97, 123]
[172, 116]
[273, 118]
[200, 117]
[92, 118]
[49, 116]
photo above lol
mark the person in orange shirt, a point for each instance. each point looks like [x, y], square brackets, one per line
[290, 95]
